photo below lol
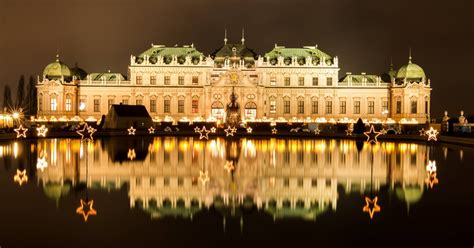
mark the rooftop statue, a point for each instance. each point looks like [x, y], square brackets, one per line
[233, 110]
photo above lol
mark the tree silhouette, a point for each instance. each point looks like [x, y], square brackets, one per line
[359, 127]
[20, 93]
[7, 98]
[30, 100]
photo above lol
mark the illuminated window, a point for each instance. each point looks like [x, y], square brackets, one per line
[273, 81]
[68, 103]
[195, 105]
[181, 80]
[217, 109]
[96, 105]
[166, 106]
[315, 81]
[54, 103]
[328, 107]
[286, 106]
[167, 80]
[301, 105]
[139, 80]
[356, 107]
[301, 81]
[153, 105]
[385, 106]
[272, 105]
[110, 102]
[414, 104]
[314, 106]
[371, 107]
[181, 106]
[251, 110]
[82, 105]
[329, 81]
[153, 80]
[287, 81]
[342, 107]
[399, 107]
[40, 102]
[139, 102]
[195, 80]
[125, 101]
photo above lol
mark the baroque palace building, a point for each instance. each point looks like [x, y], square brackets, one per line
[283, 84]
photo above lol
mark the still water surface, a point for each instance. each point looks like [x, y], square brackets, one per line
[146, 189]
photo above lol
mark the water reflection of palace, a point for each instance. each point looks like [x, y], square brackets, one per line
[286, 178]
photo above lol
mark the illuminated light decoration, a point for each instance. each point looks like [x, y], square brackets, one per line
[20, 131]
[197, 130]
[213, 129]
[349, 131]
[176, 129]
[20, 177]
[317, 131]
[274, 131]
[294, 130]
[229, 166]
[41, 164]
[86, 209]
[371, 206]
[383, 131]
[229, 131]
[203, 133]
[431, 167]
[168, 129]
[151, 130]
[86, 129]
[372, 135]
[203, 177]
[249, 130]
[432, 133]
[41, 131]
[422, 132]
[131, 131]
[131, 154]
[431, 180]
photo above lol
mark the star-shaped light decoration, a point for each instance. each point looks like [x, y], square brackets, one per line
[229, 131]
[372, 135]
[383, 131]
[20, 131]
[197, 129]
[274, 131]
[203, 177]
[432, 133]
[213, 129]
[204, 133]
[249, 130]
[131, 154]
[20, 177]
[41, 131]
[229, 166]
[349, 131]
[371, 206]
[131, 130]
[86, 133]
[168, 129]
[151, 130]
[317, 131]
[86, 209]
[422, 132]
[431, 180]
[41, 164]
[431, 167]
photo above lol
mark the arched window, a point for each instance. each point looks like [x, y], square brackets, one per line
[181, 104]
[54, 102]
[273, 105]
[300, 105]
[68, 106]
[195, 104]
[166, 104]
[217, 109]
[40, 102]
[250, 110]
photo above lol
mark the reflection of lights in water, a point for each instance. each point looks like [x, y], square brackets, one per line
[229, 166]
[54, 154]
[203, 177]
[41, 131]
[249, 148]
[15, 149]
[131, 154]
[431, 167]
[169, 144]
[371, 206]
[41, 164]
[431, 180]
[461, 154]
[445, 153]
[20, 177]
[86, 209]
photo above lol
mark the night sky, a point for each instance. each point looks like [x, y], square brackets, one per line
[364, 34]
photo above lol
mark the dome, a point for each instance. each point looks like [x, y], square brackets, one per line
[78, 72]
[409, 194]
[54, 191]
[411, 71]
[57, 69]
[389, 75]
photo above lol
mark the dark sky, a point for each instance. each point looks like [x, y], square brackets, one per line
[364, 34]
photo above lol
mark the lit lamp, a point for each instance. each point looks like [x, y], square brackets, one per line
[82, 106]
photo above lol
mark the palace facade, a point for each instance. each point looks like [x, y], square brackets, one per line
[283, 84]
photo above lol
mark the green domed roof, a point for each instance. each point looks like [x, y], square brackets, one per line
[56, 69]
[411, 71]
[78, 72]
[409, 194]
[54, 191]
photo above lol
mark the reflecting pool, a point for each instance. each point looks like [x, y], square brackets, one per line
[136, 190]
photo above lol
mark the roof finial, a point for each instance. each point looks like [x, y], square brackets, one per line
[225, 36]
[409, 56]
[57, 55]
[243, 36]
[391, 63]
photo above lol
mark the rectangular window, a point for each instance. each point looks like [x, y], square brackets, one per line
[167, 80]
[287, 81]
[328, 107]
[152, 80]
[314, 107]
[399, 107]
[356, 107]
[54, 104]
[166, 106]
[181, 106]
[139, 80]
[96, 105]
[301, 81]
[273, 106]
[300, 106]
[286, 106]
[329, 81]
[315, 81]
[82, 105]
[195, 80]
[68, 103]
[414, 107]
[371, 107]
[110, 102]
[195, 106]
[342, 107]
[125, 101]
[40, 103]
[139, 102]
[153, 106]
[384, 107]
[273, 81]
[181, 80]
[426, 107]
